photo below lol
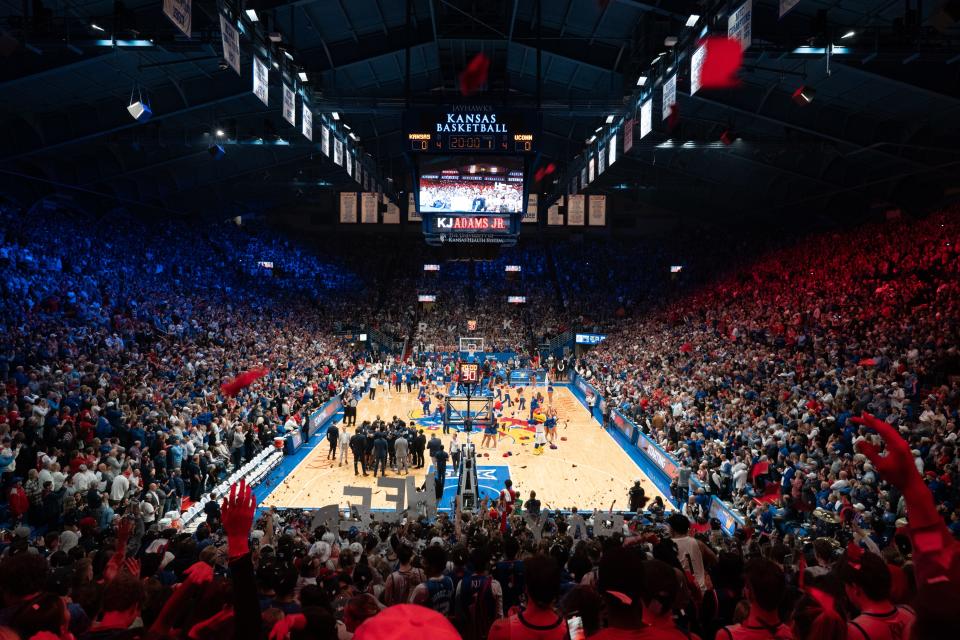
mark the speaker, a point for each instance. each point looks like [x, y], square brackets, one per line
[140, 111]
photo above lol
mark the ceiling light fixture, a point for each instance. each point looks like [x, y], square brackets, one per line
[252, 15]
[642, 80]
[303, 76]
[610, 119]
[96, 27]
[848, 35]
[692, 20]
[335, 115]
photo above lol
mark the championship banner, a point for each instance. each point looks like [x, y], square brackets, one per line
[325, 140]
[261, 80]
[646, 118]
[612, 150]
[338, 151]
[348, 207]
[349, 164]
[554, 217]
[575, 207]
[530, 215]
[412, 214]
[669, 95]
[696, 67]
[628, 135]
[740, 24]
[369, 200]
[786, 5]
[391, 214]
[289, 106]
[180, 13]
[598, 211]
[230, 38]
[591, 170]
[306, 122]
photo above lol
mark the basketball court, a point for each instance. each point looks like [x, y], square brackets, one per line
[587, 470]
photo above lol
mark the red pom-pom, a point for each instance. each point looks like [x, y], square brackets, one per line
[474, 77]
[721, 63]
[543, 172]
[243, 381]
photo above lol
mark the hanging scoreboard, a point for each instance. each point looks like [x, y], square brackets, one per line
[472, 128]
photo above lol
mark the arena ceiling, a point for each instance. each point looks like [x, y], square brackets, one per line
[884, 126]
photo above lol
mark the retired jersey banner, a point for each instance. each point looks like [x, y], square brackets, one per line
[628, 135]
[348, 207]
[231, 43]
[325, 140]
[349, 164]
[412, 214]
[591, 170]
[786, 5]
[669, 95]
[369, 202]
[261, 80]
[696, 67]
[306, 122]
[601, 160]
[575, 207]
[391, 214]
[554, 217]
[289, 106]
[646, 118]
[530, 215]
[180, 13]
[598, 211]
[338, 151]
[740, 24]
[612, 150]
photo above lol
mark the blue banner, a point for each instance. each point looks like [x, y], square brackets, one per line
[323, 414]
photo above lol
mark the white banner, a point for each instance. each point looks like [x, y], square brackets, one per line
[306, 122]
[554, 219]
[601, 160]
[739, 25]
[348, 207]
[628, 135]
[530, 215]
[349, 164]
[412, 214]
[369, 202]
[669, 95]
[574, 185]
[598, 211]
[786, 5]
[696, 66]
[575, 207]
[325, 140]
[391, 214]
[180, 13]
[591, 170]
[338, 151]
[646, 118]
[231, 43]
[261, 80]
[612, 150]
[356, 169]
[289, 106]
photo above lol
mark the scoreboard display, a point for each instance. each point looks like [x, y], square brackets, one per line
[472, 128]
[469, 373]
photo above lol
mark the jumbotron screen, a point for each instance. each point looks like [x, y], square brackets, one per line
[471, 184]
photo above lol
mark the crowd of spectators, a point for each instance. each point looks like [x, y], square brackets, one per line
[112, 418]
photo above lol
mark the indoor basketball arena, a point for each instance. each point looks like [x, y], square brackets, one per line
[499, 320]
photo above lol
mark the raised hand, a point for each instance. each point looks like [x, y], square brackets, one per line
[198, 573]
[132, 565]
[897, 467]
[237, 516]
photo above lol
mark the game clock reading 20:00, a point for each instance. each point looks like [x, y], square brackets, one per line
[477, 143]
